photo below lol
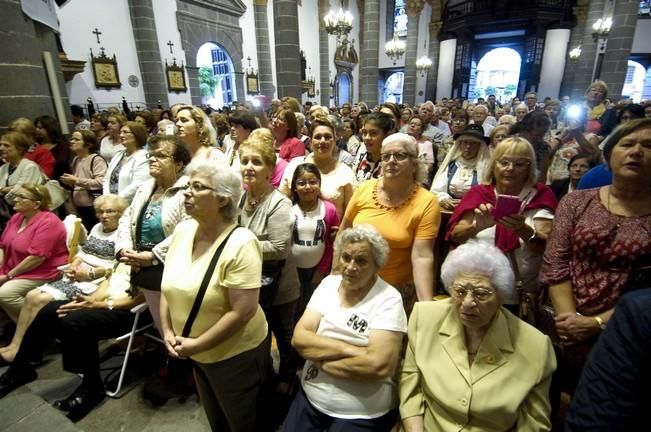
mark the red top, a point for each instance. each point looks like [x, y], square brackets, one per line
[44, 158]
[595, 250]
[291, 148]
[44, 236]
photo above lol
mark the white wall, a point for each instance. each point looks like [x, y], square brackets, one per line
[113, 20]
[308, 39]
[249, 48]
[553, 62]
[641, 38]
[167, 29]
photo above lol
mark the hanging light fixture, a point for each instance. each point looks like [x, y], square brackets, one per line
[338, 23]
[395, 48]
[575, 53]
[423, 65]
[601, 28]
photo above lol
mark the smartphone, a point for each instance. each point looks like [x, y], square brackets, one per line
[506, 205]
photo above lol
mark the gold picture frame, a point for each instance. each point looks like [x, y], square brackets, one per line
[175, 77]
[252, 83]
[105, 70]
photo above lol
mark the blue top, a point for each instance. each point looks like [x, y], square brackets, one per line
[152, 225]
[596, 177]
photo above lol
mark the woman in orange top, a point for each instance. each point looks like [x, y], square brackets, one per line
[407, 215]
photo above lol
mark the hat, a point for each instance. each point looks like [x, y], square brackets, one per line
[474, 131]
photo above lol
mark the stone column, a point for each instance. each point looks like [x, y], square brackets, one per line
[154, 82]
[433, 49]
[265, 71]
[24, 91]
[445, 72]
[409, 84]
[584, 66]
[193, 84]
[553, 62]
[620, 41]
[324, 56]
[368, 72]
[288, 56]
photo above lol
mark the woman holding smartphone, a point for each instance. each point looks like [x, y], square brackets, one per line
[487, 212]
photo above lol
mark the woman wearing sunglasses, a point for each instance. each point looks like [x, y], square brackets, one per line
[406, 214]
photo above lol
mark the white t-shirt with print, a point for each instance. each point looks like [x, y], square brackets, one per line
[381, 309]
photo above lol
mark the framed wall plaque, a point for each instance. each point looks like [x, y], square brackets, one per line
[105, 70]
[175, 77]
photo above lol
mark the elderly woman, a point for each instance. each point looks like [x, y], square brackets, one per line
[350, 335]
[425, 148]
[471, 364]
[227, 338]
[267, 213]
[197, 132]
[16, 171]
[36, 153]
[156, 209]
[375, 128]
[337, 179]
[128, 168]
[463, 167]
[600, 244]
[601, 120]
[111, 143]
[458, 123]
[407, 215]
[578, 165]
[32, 246]
[88, 171]
[90, 266]
[497, 135]
[521, 233]
[79, 324]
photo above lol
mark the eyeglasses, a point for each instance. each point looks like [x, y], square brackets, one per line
[398, 156]
[303, 183]
[196, 187]
[106, 211]
[25, 197]
[515, 164]
[158, 156]
[480, 294]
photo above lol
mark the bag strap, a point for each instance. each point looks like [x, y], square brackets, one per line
[204, 286]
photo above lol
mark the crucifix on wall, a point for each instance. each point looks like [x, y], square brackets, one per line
[170, 44]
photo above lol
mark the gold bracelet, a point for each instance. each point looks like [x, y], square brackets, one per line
[600, 322]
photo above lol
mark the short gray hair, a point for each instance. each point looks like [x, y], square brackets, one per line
[411, 146]
[364, 233]
[223, 180]
[482, 258]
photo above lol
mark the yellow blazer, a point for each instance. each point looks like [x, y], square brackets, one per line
[506, 388]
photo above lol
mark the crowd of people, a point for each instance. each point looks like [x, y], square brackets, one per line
[442, 266]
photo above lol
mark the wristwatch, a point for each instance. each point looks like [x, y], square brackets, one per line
[601, 322]
[154, 260]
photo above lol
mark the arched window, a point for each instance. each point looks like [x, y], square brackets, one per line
[634, 81]
[498, 73]
[393, 88]
[217, 59]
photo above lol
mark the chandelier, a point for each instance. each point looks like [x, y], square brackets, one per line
[575, 53]
[338, 23]
[423, 65]
[601, 28]
[395, 48]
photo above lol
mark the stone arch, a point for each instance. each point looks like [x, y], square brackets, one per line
[217, 26]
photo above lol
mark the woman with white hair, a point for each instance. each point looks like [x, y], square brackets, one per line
[405, 213]
[471, 364]
[209, 306]
[350, 335]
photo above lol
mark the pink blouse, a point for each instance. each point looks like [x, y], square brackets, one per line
[44, 236]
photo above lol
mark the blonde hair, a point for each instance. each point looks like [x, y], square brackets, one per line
[40, 193]
[516, 146]
[262, 143]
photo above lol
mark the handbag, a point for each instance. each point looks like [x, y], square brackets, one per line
[146, 277]
[271, 272]
[58, 195]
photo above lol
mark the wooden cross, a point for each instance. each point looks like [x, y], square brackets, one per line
[97, 33]
[170, 44]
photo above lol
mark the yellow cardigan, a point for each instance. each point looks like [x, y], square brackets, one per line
[507, 387]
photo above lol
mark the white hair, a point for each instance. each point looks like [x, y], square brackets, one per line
[364, 233]
[477, 257]
[225, 183]
[410, 145]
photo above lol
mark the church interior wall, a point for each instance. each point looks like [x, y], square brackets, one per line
[308, 36]
[249, 48]
[114, 21]
[641, 38]
[423, 50]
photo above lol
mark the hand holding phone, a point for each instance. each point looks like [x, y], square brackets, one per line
[506, 205]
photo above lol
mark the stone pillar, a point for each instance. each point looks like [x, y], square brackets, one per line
[584, 66]
[433, 49]
[368, 72]
[409, 84]
[576, 39]
[618, 50]
[553, 62]
[445, 73]
[324, 56]
[25, 91]
[288, 56]
[193, 84]
[152, 71]
[265, 71]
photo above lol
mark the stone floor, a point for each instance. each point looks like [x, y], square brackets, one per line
[28, 409]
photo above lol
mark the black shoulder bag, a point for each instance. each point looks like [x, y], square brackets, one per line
[149, 277]
[204, 286]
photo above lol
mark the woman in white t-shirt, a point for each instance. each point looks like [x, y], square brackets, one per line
[350, 335]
